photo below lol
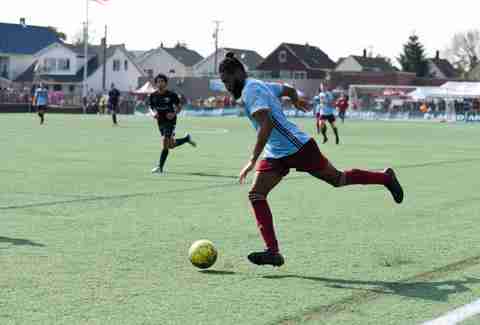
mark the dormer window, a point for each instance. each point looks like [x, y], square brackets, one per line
[63, 64]
[282, 56]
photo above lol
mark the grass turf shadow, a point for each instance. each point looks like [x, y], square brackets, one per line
[434, 290]
[20, 242]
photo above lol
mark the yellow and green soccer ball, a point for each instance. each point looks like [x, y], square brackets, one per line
[202, 254]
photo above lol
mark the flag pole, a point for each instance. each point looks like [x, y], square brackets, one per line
[85, 41]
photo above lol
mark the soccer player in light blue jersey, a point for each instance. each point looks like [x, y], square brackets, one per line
[325, 111]
[41, 101]
[285, 146]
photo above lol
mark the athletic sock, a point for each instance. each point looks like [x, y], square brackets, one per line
[163, 158]
[364, 177]
[180, 141]
[335, 130]
[264, 218]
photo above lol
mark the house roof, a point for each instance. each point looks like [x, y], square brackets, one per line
[374, 64]
[311, 56]
[184, 55]
[17, 39]
[445, 67]
[249, 58]
[95, 61]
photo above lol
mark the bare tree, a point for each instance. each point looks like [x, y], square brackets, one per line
[78, 37]
[60, 35]
[464, 50]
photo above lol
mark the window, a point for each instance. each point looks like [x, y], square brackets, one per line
[116, 65]
[57, 87]
[285, 74]
[4, 67]
[149, 72]
[300, 75]
[63, 64]
[282, 56]
[125, 65]
[49, 65]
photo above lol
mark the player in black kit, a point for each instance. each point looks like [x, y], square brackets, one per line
[164, 106]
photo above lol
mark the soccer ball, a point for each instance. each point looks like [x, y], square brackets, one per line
[202, 254]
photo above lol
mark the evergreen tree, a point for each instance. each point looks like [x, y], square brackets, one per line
[413, 57]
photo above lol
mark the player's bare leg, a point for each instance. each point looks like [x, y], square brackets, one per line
[338, 178]
[317, 124]
[264, 182]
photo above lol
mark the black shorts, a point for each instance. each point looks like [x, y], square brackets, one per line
[42, 108]
[167, 129]
[330, 118]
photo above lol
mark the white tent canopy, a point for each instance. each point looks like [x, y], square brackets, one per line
[465, 89]
[448, 90]
[147, 88]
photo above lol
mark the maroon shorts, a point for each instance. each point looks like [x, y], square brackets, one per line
[307, 159]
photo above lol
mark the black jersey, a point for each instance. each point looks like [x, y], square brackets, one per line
[163, 104]
[113, 96]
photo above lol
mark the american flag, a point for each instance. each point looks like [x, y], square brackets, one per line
[102, 2]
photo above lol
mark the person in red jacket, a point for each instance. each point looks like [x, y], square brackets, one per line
[342, 106]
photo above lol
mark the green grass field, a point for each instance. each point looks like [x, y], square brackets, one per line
[90, 236]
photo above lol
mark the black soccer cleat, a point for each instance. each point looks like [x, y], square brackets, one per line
[266, 258]
[394, 186]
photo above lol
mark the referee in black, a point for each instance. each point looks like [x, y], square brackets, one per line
[113, 101]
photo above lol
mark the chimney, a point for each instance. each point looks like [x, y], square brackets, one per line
[364, 53]
[437, 56]
[23, 22]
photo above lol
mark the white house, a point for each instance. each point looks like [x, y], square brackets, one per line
[206, 67]
[61, 67]
[19, 43]
[176, 61]
[365, 63]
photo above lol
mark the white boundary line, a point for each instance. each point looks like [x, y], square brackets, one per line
[457, 315]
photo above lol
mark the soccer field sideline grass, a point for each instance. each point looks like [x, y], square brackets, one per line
[88, 229]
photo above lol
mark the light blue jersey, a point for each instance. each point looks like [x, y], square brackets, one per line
[286, 138]
[41, 97]
[324, 103]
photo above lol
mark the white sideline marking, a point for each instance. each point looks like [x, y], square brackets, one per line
[457, 315]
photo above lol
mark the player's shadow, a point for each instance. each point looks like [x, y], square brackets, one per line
[19, 242]
[217, 272]
[204, 175]
[434, 290]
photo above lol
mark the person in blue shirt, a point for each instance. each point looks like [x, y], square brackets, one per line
[325, 111]
[41, 101]
[285, 146]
